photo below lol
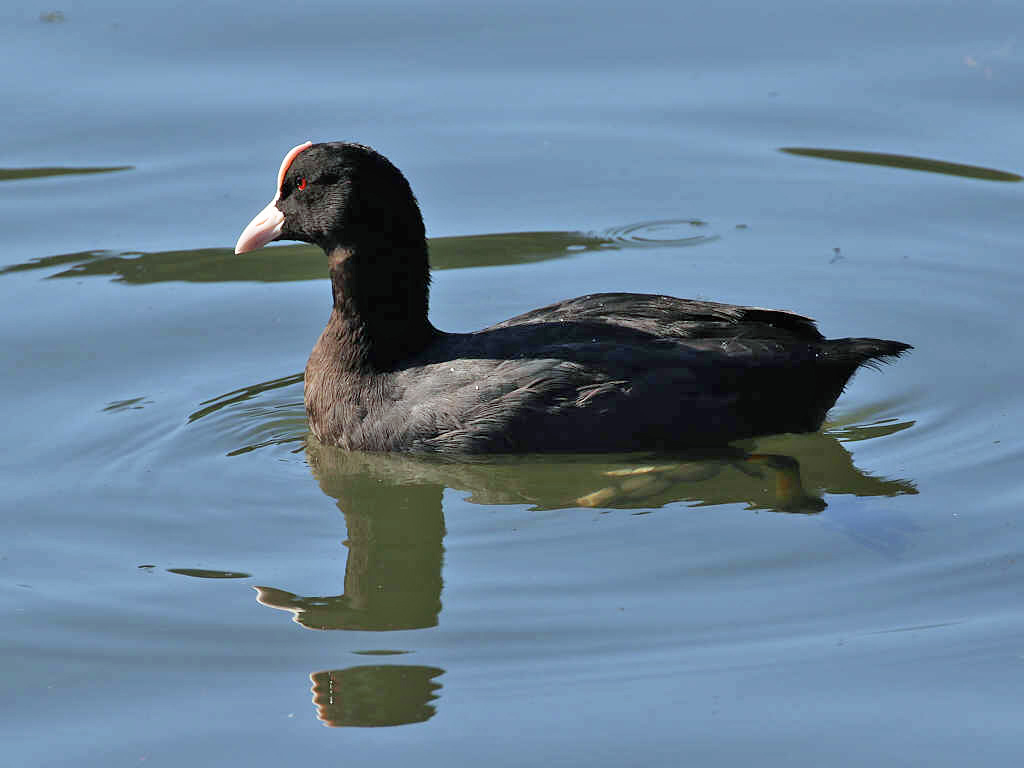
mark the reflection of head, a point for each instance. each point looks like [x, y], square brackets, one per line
[375, 695]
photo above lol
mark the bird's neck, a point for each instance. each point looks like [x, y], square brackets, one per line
[380, 306]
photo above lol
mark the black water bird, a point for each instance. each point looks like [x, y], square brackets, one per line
[599, 373]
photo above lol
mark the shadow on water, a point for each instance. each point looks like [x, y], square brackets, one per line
[306, 262]
[907, 162]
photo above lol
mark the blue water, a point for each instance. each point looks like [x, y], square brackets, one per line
[186, 578]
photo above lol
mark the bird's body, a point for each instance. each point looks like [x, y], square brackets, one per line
[600, 373]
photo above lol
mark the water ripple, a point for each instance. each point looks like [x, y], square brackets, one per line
[679, 232]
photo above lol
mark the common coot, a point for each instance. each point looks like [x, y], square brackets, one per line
[599, 373]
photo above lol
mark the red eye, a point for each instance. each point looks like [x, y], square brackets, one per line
[301, 183]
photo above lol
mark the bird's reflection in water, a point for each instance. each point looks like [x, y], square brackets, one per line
[392, 504]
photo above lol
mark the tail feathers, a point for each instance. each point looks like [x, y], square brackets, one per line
[797, 398]
[858, 352]
[844, 357]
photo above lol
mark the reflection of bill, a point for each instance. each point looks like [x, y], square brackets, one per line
[375, 695]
